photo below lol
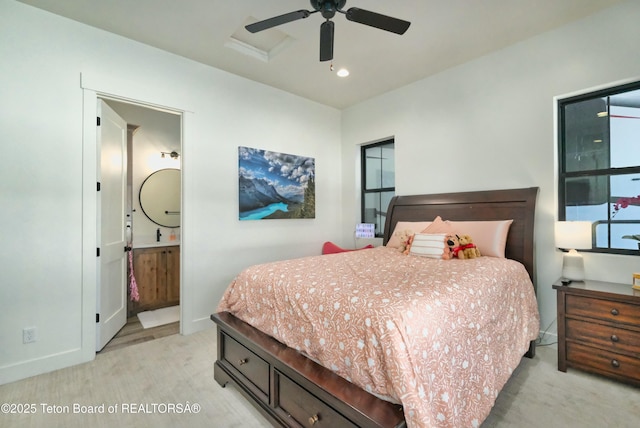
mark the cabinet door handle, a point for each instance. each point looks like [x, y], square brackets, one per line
[614, 312]
[243, 361]
[614, 338]
[615, 363]
[313, 419]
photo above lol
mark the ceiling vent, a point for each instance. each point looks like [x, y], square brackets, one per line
[264, 45]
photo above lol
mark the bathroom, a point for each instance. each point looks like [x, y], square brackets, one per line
[153, 222]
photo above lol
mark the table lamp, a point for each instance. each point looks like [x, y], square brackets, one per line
[572, 236]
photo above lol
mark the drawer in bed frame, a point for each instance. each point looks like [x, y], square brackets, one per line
[289, 389]
[253, 370]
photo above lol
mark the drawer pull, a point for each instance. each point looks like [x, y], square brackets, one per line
[614, 312]
[615, 363]
[313, 419]
[614, 338]
[243, 361]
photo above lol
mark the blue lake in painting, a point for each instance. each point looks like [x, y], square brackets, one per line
[260, 213]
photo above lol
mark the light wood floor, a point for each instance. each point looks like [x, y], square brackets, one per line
[133, 333]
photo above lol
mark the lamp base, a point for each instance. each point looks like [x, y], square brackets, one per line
[573, 266]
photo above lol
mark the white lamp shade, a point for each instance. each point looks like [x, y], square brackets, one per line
[573, 235]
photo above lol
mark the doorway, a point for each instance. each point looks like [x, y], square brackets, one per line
[152, 278]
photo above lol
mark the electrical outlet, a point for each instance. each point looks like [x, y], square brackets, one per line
[29, 335]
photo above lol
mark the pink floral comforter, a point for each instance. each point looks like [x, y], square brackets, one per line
[441, 337]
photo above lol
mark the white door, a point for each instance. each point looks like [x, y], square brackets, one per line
[112, 260]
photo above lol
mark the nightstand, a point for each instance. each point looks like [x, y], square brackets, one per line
[599, 329]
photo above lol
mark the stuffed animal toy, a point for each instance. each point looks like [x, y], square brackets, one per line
[405, 236]
[452, 242]
[407, 247]
[466, 249]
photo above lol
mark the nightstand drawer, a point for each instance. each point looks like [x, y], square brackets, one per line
[610, 310]
[604, 336]
[600, 361]
[251, 366]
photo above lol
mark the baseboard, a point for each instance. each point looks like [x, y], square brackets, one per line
[45, 364]
[196, 325]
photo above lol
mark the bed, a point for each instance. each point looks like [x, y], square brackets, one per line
[313, 383]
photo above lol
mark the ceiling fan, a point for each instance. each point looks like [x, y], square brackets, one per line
[328, 9]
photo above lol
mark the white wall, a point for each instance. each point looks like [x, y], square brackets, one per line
[489, 124]
[47, 274]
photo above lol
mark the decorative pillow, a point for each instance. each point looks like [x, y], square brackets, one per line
[432, 245]
[489, 236]
[401, 226]
[440, 226]
[331, 248]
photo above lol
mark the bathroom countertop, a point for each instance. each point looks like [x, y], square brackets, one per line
[155, 244]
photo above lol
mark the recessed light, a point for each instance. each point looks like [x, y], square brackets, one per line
[343, 72]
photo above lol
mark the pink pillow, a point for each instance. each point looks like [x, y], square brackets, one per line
[489, 236]
[331, 248]
[415, 226]
[440, 226]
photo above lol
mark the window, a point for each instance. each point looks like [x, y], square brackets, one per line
[378, 182]
[599, 165]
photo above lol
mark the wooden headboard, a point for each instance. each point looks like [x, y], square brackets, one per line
[516, 204]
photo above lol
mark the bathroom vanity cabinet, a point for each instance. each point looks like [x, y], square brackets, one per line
[157, 273]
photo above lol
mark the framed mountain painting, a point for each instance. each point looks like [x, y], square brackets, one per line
[275, 185]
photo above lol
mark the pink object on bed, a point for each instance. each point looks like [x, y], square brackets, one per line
[331, 248]
[441, 337]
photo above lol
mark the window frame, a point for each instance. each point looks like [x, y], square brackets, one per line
[363, 180]
[610, 172]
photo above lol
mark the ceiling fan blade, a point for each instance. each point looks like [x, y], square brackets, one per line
[277, 20]
[377, 20]
[326, 41]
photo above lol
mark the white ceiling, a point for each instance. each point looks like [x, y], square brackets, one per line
[443, 34]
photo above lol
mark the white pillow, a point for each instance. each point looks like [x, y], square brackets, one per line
[430, 245]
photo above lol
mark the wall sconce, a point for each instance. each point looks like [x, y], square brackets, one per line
[572, 236]
[173, 154]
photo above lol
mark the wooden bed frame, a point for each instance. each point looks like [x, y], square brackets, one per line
[292, 390]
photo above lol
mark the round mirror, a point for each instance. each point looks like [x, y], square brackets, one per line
[160, 197]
